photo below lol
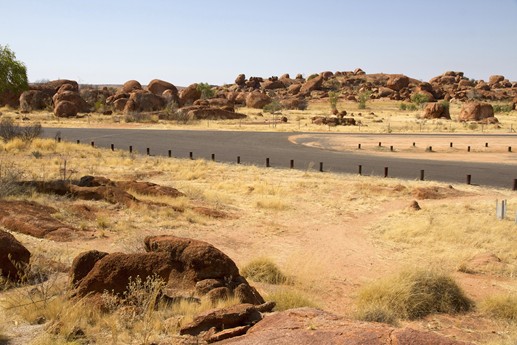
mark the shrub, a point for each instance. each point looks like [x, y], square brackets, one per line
[265, 271]
[419, 99]
[273, 107]
[206, 90]
[10, 176]
[9, 130]
[503, 108]
[412, 295]
[362, 98]
[503, 307]
[403, 106]
[333, 99]
[141, 117]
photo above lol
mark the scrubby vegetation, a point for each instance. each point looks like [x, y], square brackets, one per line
[501, 307]
[265, 271]
[411, 295]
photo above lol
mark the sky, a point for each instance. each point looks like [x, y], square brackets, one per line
[183, 42]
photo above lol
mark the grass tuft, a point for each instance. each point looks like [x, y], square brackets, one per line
[264, 270]
[289, 298]
[502, 307]
[412, 295]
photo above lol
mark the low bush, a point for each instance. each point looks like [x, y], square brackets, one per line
[265, 271]
[502, 307]
[503, 108]
[9, 131]
[411, 295]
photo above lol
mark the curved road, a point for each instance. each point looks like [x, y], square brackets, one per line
[255, 147]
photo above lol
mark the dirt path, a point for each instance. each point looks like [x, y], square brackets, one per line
[495, 152]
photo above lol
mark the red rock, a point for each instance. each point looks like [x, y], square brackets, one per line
[476, 111]
[397, 82]
[65, 109]
[158, 87]
[14, 257]
[257, 100]
[436, 111]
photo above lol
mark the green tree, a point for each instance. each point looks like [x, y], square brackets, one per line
[333, 99]
[419, 99]
[13, 73]
[362, 98]
[206, 90]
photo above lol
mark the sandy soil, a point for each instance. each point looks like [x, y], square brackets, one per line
[496, 152]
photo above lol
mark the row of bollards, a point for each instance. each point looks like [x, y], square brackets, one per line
[291, 164]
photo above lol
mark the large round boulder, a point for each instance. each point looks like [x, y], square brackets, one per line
[143, 101]
[158, 87]
[476, 111]
[73, 97]
[436, 111]
[257, 100]
[240, 80]
[130, 86]
[34, 100]
[397, 82]
[65, 109]
[312, 84]
[189, 95]
[14, 257]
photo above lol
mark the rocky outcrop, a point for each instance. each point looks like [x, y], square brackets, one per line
[130, 86]
[189, 95]
[312, 85]
[397, 82]
[199, 112]
[220, 324]
[476, 111]
[436, 111]
[14, 257]
[158, 87]
[34, 100]
[188, 267]
[257, 100]
[31, 218]
[306, 326]
[143, 101]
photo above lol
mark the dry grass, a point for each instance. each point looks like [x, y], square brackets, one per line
[501, 307]
[309, 225]
[411, 295]
[380, 116]
[450, 233]
[264, 270]
[289, 298]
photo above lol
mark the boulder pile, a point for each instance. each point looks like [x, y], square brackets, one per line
[189, 268]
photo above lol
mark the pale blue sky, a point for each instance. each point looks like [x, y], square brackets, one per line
[102, 41]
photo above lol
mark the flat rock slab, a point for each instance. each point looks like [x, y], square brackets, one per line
[307, 326]
[31, 218]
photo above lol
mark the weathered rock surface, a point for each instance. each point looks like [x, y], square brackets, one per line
[14, 257]
[476, 111]
[257, 100]
[312, 85]
[188, 267]
[143, 101]
[34, 100]
[189, 95]
[65, 109]
[158, 87]
[436, 111]
[306, 326]
[36, 220]
[210, 113]
[397, 82]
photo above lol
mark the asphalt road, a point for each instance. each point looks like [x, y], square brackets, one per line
[256, 147]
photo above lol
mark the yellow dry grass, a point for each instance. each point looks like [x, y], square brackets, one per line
[331, 233]
[380, 116]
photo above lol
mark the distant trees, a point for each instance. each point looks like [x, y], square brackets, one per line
[206, 90]
[13, 73]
